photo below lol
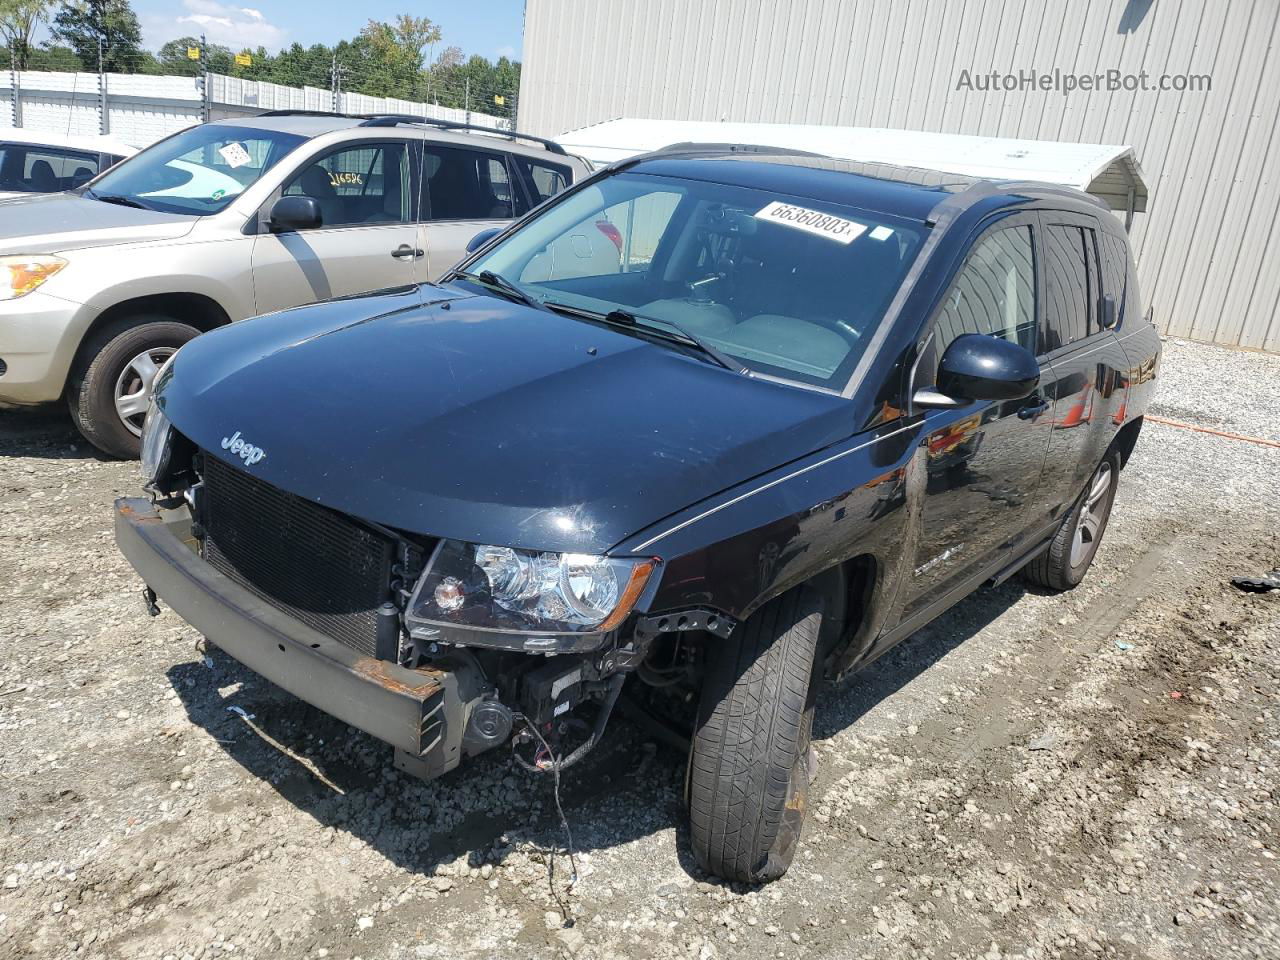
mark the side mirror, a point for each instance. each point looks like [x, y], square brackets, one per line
[1109, 312]
[980, 367]
[481, 238]
[294, 213]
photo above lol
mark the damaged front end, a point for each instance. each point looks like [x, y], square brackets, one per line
[442, 649]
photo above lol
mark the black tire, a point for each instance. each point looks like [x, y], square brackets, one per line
[91, 393]
[1057, 568]
[749, 764]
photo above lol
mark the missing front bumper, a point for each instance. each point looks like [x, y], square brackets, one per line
[422, 713]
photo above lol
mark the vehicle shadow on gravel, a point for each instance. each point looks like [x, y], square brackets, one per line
[45, 433]
[629, 788]
[844, 703]
[345, 779]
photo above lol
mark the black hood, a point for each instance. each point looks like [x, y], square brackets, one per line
[478, 419]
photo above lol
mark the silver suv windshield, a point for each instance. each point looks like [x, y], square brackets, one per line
[199, 171]
[789, 286]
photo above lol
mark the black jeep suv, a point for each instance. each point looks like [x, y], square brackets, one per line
[717, 421]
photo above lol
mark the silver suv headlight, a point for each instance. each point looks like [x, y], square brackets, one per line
[502, 589]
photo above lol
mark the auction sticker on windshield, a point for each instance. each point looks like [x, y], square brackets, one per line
[812, 221]
[235, 154]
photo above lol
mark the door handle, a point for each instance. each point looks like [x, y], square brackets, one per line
[1033, 408]
[406, 252]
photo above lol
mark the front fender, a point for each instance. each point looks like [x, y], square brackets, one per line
[217, 269]
[735, 552]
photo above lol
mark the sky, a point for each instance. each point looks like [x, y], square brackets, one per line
[491, 28]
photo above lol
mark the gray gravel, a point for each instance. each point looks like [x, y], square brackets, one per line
[1094, 774]
[1241, 394]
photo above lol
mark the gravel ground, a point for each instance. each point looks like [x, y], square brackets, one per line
[1094, 774]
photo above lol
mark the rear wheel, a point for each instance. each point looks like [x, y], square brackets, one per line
[749, 764]
[1076, 543]
[111, 388]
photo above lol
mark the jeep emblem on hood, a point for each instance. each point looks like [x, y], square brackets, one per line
[243, 449]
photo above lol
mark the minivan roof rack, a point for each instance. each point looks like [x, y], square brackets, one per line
[392, 119]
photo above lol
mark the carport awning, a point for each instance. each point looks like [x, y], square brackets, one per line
[1110, 173]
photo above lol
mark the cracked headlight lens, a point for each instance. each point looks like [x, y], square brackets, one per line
[524, 591]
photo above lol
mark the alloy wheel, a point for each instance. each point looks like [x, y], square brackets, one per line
[1093, 514]
[134, 385]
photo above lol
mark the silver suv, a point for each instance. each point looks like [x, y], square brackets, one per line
[227, 220]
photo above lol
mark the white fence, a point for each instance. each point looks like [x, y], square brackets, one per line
[142, 109]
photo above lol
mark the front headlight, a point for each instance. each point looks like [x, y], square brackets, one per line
[20, 275]
[157, 433]
[157, 443]
[523, 591]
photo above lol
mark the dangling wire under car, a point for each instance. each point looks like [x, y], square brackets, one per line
[546, 761]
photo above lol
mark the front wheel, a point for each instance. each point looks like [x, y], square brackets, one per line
[110, 391]
[749, 764]
[1074, 546]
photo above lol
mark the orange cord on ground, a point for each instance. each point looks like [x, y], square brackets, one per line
[1217, 433]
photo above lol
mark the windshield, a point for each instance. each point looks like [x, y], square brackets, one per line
[199, 171]
[28, 168]
[789, 286]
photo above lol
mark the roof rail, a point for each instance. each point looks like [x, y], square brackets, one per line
[301, 113]
[392, 119]
[690, 146]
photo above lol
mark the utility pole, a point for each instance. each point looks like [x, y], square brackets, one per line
[104, 120]
[336, 71]
[15, 90]
[466, 102]
[206, 113]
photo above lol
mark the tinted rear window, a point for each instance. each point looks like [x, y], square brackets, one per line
[26, 168]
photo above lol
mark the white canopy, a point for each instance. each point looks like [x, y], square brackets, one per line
[1110, 173]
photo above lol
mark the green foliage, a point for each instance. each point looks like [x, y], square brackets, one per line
[385, 59]
[81, 24]
[174, 61]
[18, 22]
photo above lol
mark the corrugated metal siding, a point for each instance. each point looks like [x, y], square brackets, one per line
[1208, 247]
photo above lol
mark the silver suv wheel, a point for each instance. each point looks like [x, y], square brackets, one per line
[133, 386]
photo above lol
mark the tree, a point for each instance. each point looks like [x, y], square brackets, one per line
[173, 59]
[80, 24]
[57, 58]
[383, 60]
[473, 83]
[18, 22]
[389, 56]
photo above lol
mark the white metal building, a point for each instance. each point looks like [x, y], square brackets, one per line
[1208, 246]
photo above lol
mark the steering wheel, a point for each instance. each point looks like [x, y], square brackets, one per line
[697, 288]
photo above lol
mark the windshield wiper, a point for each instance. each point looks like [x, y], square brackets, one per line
[682, 335]
[117, 199]
[487, 278]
